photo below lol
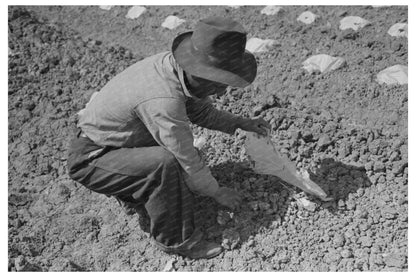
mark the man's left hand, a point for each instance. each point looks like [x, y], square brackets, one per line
[256, 125]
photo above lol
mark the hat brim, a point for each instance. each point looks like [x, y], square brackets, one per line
[241, 75]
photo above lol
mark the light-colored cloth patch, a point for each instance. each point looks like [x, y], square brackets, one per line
[255, 45]
[271, 10]
[322, 63]
[135, 12]
[398, 30]
[353, 22]
[106, 7]
[265, 159]
[171, 22]
[396, 74]
[307, 17]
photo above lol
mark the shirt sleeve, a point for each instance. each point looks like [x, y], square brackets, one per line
[167, 121]
[203, 113]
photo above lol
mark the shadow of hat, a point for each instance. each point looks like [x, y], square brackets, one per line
[215, 51]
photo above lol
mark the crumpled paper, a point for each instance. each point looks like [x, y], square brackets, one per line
[398, 30]
[322, 63]
[200, 142]
[171, 22]
[307, 17]
[135, 12]
[396, 74]
[265, 159]
[255, 45]
[353, 22]
[169, 267]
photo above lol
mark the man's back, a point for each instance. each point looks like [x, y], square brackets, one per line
[111, 116]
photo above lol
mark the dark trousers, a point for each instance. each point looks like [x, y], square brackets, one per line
[149, 176]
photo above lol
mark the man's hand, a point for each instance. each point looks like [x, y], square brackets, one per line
[228, 197]
[256, 125]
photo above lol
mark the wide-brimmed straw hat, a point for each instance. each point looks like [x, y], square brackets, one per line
[215, 51]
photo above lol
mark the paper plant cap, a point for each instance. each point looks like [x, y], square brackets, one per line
[265, 159]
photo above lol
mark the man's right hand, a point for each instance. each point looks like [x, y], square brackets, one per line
[228, 197]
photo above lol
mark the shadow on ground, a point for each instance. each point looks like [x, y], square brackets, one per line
[266, 199]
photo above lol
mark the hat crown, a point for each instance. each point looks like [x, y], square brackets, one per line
[220, 39]
[215, 51]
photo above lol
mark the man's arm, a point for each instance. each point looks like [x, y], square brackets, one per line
[166, 120]
[204, 114]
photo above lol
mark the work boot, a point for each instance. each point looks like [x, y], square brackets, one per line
[202, 250]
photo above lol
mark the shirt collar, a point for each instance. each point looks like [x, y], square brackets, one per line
[181, 75]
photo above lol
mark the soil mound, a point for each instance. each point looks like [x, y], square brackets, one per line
[349, 131]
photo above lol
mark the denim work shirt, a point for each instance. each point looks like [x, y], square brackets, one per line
[149, 102]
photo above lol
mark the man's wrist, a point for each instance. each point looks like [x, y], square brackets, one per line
[241, 123]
